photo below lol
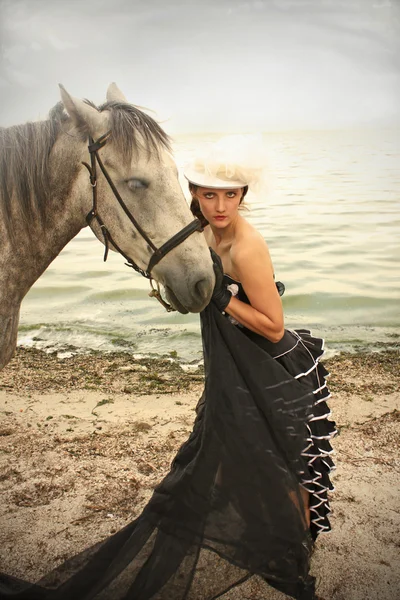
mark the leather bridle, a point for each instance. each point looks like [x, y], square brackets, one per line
[158, 253]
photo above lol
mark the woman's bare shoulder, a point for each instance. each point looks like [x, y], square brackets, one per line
[248, 241]
[250, 254]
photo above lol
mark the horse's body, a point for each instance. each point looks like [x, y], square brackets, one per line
[45, 196]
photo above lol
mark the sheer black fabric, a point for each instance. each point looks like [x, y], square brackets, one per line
[231, 504]
[299, 353]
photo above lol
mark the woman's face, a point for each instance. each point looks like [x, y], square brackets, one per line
[219, 206]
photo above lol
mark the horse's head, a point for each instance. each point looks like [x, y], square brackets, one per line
[137, 158]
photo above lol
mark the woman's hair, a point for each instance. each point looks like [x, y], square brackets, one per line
[195, 204]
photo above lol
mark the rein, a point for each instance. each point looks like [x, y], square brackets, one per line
[158, 253]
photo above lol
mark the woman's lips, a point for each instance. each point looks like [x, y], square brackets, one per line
[219, 218]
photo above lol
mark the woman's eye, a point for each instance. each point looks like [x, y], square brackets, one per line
[136, 184]
[231, 194]
[209, 196]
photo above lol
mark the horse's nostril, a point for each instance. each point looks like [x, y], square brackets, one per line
[202, 288]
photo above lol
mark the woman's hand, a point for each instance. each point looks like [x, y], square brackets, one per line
[221, 295]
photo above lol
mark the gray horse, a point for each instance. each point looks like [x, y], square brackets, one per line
[46, 194]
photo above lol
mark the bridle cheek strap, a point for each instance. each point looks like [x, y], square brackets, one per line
[173, 242]
[158, 253]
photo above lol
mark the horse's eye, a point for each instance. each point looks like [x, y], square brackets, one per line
[137, 184]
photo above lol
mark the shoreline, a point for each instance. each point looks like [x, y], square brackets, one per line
[33, 369]
[84, 440]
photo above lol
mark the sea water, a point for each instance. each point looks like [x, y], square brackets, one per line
[331, 219]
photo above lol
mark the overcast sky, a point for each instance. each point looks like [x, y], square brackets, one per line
[207, 65]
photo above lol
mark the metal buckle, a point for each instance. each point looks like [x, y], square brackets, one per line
[156, 293]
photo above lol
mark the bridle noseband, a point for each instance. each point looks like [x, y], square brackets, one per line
[158, 253]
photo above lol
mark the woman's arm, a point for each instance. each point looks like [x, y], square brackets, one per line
[252, 263]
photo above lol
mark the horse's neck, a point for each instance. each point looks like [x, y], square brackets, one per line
[26, 256]
[8, 332]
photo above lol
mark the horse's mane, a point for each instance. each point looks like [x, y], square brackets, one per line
[25, 150]
[129, 126]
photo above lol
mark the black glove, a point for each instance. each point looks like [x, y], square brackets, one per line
[221, 296]
[280, 287]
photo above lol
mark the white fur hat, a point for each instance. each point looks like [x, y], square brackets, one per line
[233, 162]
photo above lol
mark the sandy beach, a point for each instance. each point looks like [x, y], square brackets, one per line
[84, 440]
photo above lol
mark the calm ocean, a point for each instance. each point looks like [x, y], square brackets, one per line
[332, 222]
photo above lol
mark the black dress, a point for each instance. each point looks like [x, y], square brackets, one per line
[299, 353]
[231, 505]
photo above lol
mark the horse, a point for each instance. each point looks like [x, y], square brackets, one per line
[51, 187]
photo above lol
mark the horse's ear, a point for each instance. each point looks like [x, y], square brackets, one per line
[85, 117]
[114, 94]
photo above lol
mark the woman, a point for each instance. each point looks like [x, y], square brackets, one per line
[246, 493]
[246, 292]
